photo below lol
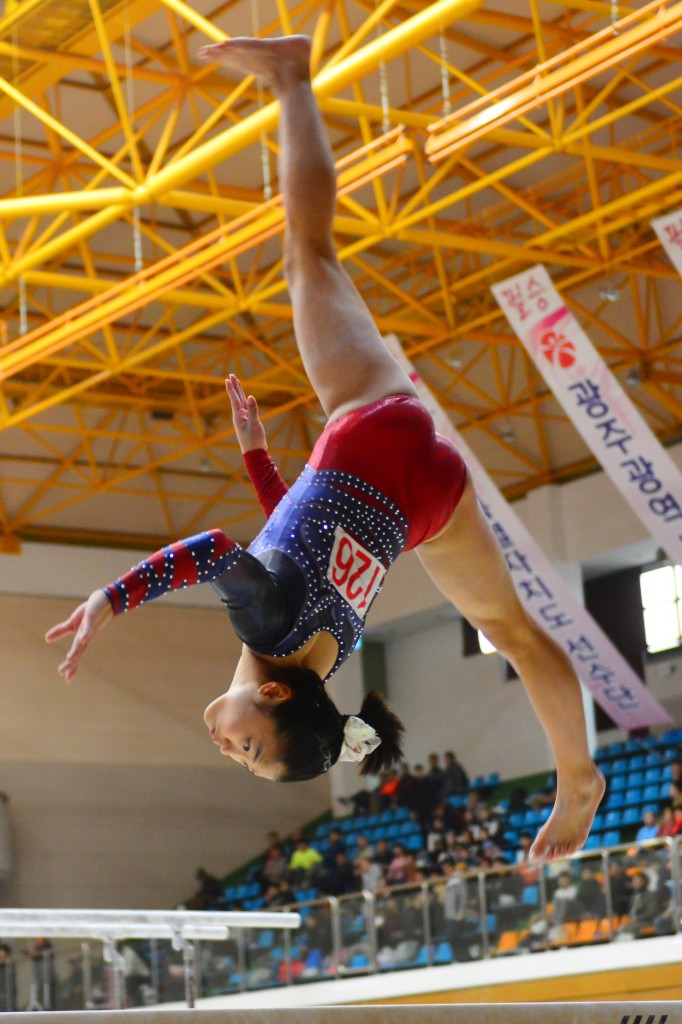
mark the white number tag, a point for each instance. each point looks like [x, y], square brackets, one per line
[354, 572]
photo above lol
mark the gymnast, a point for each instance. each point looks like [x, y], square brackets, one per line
[379, 481]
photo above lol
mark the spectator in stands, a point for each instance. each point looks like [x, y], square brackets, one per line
[400, 870]
[565, 906]
[436, 836]
[667, 822]
[649, 827]
[359, 802]
[335, 845]
[522, 855]
[388, 787]
[488, 821]
[275, 867]
[424, 798]
[435, 776]
[677, 824]
[8, 982]
[474, 804]
[364, 849]
[339, 877]
[503, 886]
[619, 888]
[41, 953]
[281, 895]
[462, 924]
[305, 863]
[370, 874]
[455, 779]
[675, 795]
[642, 910]
[383, 853]
[591, 901]
[208, 894]
[406, 787]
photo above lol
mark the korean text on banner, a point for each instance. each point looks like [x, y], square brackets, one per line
[542, 592]
[669, 231]
[609, 423]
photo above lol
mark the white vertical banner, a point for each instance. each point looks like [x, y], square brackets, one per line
[607, 420]
[669, 231]
[544, 595]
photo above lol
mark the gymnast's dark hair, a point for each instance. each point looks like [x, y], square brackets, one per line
[310, 728]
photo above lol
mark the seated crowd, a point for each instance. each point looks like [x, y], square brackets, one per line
[448, 829]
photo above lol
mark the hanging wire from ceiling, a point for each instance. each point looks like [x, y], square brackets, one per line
[18, 173]
[130, 100]
[264, 153]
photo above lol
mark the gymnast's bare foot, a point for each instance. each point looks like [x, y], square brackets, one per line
[275, 60]
[578, 796]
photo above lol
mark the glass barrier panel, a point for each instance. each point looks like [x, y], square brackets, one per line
[312, 945]
[515, 920]
[576, 901]
[400, 927]
[266, 957]
[642, 889]
[456, 917]
[217, 966]
[355, 955]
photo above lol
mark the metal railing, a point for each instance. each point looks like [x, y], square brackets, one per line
[473, 915]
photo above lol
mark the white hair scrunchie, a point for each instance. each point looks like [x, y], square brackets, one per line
[359, 740]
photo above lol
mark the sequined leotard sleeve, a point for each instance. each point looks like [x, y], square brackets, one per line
[262, 604]
[266, 478]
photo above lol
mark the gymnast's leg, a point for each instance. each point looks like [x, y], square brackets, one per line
[466, 563]
[342, 351]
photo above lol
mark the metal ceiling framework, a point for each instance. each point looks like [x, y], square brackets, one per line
[140, 244]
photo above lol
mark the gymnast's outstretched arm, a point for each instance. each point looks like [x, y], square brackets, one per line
[265, 477]
[258, 606]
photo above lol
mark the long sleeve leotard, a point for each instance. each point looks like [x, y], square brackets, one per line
[318, 563]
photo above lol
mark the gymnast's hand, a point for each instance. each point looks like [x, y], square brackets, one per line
[85, 622]
[247, 425]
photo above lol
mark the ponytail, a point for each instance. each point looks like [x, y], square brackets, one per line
[311, 728]
[388, 727]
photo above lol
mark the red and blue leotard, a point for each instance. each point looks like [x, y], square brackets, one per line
[378, 481]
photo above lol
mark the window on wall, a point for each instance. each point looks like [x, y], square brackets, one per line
[661, 591]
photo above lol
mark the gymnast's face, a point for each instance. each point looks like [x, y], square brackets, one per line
[240, 724]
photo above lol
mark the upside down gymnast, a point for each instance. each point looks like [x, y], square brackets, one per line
[379, 481]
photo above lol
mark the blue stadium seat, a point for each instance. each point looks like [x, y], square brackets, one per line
[414, 843]
[632, 816]
[516, 820]
[651, 794]
[593, 841]
[493, 779]
[358, 961]
[612, 820]
[670, 738]
[616, 749]
[478, 782]
[530, 895]
[531, 819]
[611, 838]
[443, 954]
[667, 773]
[637, 762]
[598, 823]
[652, 759]
[633, 797]
[653, 776]
[617, 782]
[620, 766]
[635, 779]
[401, 814]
